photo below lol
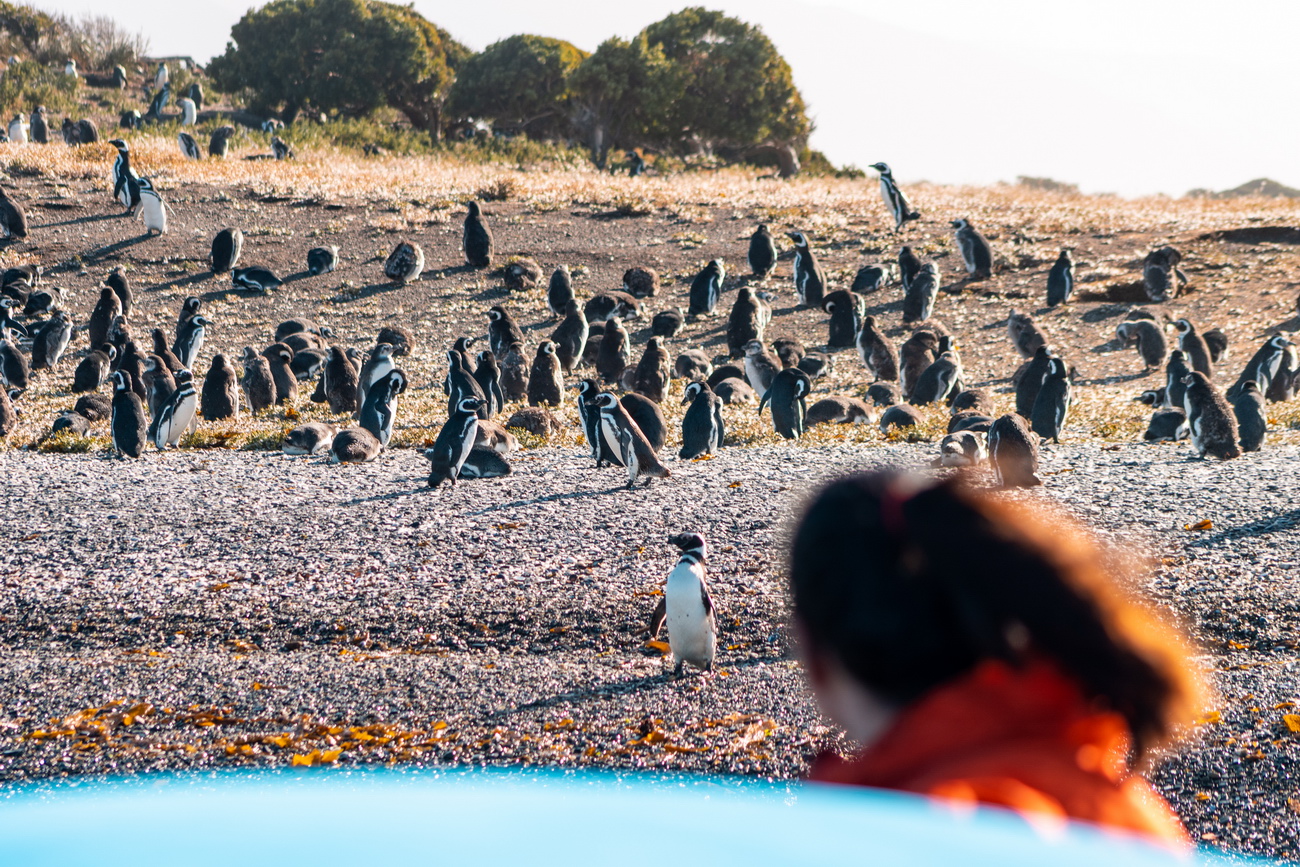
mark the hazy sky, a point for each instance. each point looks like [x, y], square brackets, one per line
[1128, 96]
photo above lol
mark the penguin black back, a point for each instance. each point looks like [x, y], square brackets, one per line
[762, 253]
[702, 426]
[1031, 381]
[219, 398]
[788, 399]
[477, 238]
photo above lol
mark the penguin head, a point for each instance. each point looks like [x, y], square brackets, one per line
[121, 382]
[485, 356]
[586, 388]
[690, 542]
[1279, 341]
[200, 320]
[798, 238]
[571, 307]
[546, 348]
[191, 304]
[110, 350]
[1124, 331]
[605, 400]
[474, 210]
[1250, 386]
[453, 358]
[883, 168]
[961, 223]
[183, 375]
[470, 405]
[1184, 326]
[1056, 367]
[396, 381]
[382, 350]
[763, 230]
[754, 347]
[496, 314]
[120, 145]
[692, 391]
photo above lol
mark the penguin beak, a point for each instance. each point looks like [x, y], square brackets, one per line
[685, 400]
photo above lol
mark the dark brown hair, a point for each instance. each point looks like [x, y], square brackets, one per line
[909, 588]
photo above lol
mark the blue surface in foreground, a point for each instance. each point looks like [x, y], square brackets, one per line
[499, 816]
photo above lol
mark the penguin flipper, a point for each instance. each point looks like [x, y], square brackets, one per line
[657, 618]
[767, 395]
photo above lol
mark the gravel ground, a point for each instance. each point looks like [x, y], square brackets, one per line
[240, 608]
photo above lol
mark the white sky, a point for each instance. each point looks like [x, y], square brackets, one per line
[1127, 96]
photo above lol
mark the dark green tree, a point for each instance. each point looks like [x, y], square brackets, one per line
[621, 95]
[521, 82]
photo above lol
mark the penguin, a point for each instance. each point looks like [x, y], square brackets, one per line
[178, 415]
[1263, 365]
[976, 254]
[604, 306]
[624, 438]
[354, 445]
[322, 260]
[589, 414]
[92, 370]
[71, 420]
[877, 351]
[339, 381]
[153, 210]
[693, 364]
[195, 93]
[570, 337]
[1150, 338]
[1284, 382]
[762, 253]
[787, 397]
[1052, 405]
[307, 365]
[706, 288]
[748, 321]
[226, 247]
[129, 429]
[1031, 381]
[220, 394]
[1175, 370]
[918, 302]
[107, 308]
[454, 443]
[399, 337]
[653, 371]
[280, 148]
[895, 201]
[1152, 397]
[488, 377]
[259, 386]
[899, 416]
[1210, 418]
[42, 302]
[1160, 275]
[484, 463]
[405, 264]
[18, 130]
[521, 275]
[189, 309]
[641, 282]
[7, 321]
[161, 78]
[839, 410]
[1167, 425]
[219, 144]
[189, 340]
[559, 292]
[313, 438]
[161, 98]
[939, 380]
[846, 311]
[159, 384]
[545, 381]
[380, 408]
[963, 449]
[126, 187]
[734, 390]
[1013, 452]
[668, 323]
[909, 265]
[648, 417]
[375, 369]
[1024, 333]
[1252, 422]
[279, 358]
[1217, 342]
[460, 384]
[477, 238]
[514, 373]
[613, 356]
[1060, 280]
[189, 147]
[702, 427]
[49, 343]
[916, 354]
[255, 279]
[495, 436]
[809, 278]
[884, 394]
[130, 360]
[87, 132]
[13, 219]
[1194, 348]
[761, 368]
[40, 126]
[502, 330]
[14, 369]
[688, 608]
[871, 278]
[725, 371]
[970, 419]
[972, 399]
[95, 407]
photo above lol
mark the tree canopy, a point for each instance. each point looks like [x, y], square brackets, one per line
[520, 82]
[621, 95]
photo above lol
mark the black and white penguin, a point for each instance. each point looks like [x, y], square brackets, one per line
[760, 367]
[1167, 425]
[219, 144]
[706, 289]
[130, 360]
[668, 323]
[1217, 342]
[1161, 277]
[963, 449]
[460, 384]
[280, 148]
[1263, 365]
[846, 310]
[916, 354]
[322, 260]
[1194, 348]
[1210, 418]
[488, 376]
[1252, 422]
[648, 417]
[688, 608]
[653, 371]
[195, 93]
[40, 126]
[477, 238]
[839, 410]
[589, 414]
[895, 201]
[1149, 337]
[42, 301]
[312, 438]
[702, 427]
[484, 463]
[909, 265]
[308, 364]
[809, 278]
[788, 398]
[514, 373]
[1024, 333]
[1031, 381]
[1287, 379]
[220, 394]
[570, 336]
[107, 308]
[13, 219]
[877, 351]
[7, 321]
[872, 278]
[918, 301]
[641, 282]
[545, 379]
[126, 185]
[190, 335]
[130, 429]
[1013, 452]
[454, 443]
[940, 380]
[624, 438]
[1052, 405]
[153, 210]
[179, 414]
[899, 416]
[970, 419]
[14, 369]
[380, 408]
[189, 147]
[613, 356]
[762, 253]
[405, 264]
[259, 386]
[279, 357]
[189, 309]
[255, 279]
[159, 384]
[94, 369]
[1060, 280]
[1175, 371]
[50, 342]
[502, 330]
[354, 445]
[748, 321]
[693, 364]
[340, 382]
[377, 366]
[976, 254]
[559, 292]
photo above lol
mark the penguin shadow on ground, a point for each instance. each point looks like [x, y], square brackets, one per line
[1263, 527]
[1290, 326]
[79, 221]
[389, 497]
[187, 280]
[367, 291]
[882, 307]
[551, 498]
[96, 256]
[296, 276]
[1117, 379]
[1108, 347]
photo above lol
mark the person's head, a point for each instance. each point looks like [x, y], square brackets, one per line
[906, 585]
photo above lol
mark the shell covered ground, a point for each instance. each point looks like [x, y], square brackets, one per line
[226, 605]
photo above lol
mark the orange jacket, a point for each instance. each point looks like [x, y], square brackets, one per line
[1022, 738]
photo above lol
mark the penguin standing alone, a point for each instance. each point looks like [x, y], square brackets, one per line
[405, 264]
[322, 260]
[894, 198]
[153, 210]
[976, 253]
[1210, 418]
[226, 247]
[788, 399]
[1060, 280]
[126, 187]
[762, 253]
[706, 288]
[129, 427]
[809, 278]
[477, 239]
[688, 608]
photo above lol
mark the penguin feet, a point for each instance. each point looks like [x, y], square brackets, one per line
[677, 669]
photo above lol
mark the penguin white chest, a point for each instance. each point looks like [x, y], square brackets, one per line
[691, 632]
[154, 213]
